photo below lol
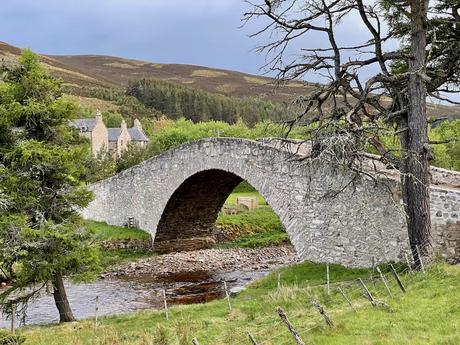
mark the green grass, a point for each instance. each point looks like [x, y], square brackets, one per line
[231, 200]
[105, 232]
[258, 228]
[114, 257]
[261, 239]
[429, 313]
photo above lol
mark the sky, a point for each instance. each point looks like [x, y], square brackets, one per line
[200, 32]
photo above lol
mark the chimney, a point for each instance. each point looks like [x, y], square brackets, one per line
[98, 116]
[137, 124]
[123, 126]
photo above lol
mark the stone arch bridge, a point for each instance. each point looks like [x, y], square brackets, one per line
[177, 196]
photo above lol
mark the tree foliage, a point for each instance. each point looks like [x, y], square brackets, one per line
[178, 101]
[42, 160]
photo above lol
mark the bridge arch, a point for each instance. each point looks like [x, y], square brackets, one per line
[178, 194]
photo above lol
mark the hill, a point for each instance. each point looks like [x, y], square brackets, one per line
[83, 72]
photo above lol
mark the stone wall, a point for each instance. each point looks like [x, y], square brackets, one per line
[445, 219]
[329, 215]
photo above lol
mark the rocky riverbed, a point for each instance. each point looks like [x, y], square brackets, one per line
[209, 260]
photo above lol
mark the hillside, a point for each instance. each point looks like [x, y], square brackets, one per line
[82, 72]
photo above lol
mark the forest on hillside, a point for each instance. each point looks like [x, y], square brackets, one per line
[177, 101]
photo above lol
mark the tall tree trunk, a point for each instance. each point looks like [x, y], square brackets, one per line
[414, 139]
[60, 298]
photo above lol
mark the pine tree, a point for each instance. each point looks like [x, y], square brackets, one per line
[42, 238]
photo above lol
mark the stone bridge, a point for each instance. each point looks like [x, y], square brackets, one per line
[177, 196]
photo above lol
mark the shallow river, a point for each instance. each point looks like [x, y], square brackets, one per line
[127, 294]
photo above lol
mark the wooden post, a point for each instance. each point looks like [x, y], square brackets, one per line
[96, 311]
[328, 279]
[373, 270]
[166, 305]
[409, 265]
[321, 310]
[195, 341]
[367, 293]
[251, 338]
[278, 285]
[13, 318]
[422, 266]
[382, 276]
[395, 274]
[227, 295]
[347, 299]
[289, 326]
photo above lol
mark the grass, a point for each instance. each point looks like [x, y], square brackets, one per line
[429, 313]
[261, 239]
[105, 232]
[258, 228]
[208, 73]
[231, 200]
[111, 233]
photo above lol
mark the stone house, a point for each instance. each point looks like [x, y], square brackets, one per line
[96, 131]
[112, 140]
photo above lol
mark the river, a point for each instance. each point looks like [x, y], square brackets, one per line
[140, 285]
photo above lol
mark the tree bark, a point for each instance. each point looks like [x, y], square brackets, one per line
[60, 298]
[415, 174]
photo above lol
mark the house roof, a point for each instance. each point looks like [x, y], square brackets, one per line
[114, 133]
[86, 125]
[137, 135]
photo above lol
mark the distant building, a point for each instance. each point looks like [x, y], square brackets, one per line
[112, 140]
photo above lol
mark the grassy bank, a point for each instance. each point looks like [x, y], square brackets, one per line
[110, 233]
[258, 228]
[429, 313]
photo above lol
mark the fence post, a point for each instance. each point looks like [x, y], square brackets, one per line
[395, 274]
[347, 299]
[382, 276]
[408, 262]
[96, 311]
[373, 270]
[321, 310]
[422, 266]
[227, 295]
[278, 285]
[13, 318]
[290, 327]
[328, 279]
[165, 305]
[367, 293]
[251, 338]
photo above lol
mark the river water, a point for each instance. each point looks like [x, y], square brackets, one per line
[130, 293]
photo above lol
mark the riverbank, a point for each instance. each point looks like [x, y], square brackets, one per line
[208, 260]
[428, 313]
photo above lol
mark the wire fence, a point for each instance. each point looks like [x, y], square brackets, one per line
[332, 300]
[307, 307]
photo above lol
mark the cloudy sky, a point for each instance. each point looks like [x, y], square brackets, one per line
[202, 32]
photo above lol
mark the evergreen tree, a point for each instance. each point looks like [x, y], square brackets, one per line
[42, 239]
